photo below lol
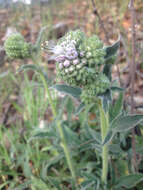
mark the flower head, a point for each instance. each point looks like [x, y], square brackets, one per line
[79, 63]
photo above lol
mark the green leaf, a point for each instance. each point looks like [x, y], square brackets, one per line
[115, 148]
[29, 67]
[129, 181]
[121, 124]
[39, 183]
[108, 137]
[80, 109]
[54, 160]
[112, 50]
[107, 71]
[70, 136]
[43, 134]
[117, 89]
[35, 68]
[94, 134]
[69, 90]
[125, 123]
[48, 132]
[40, 38]
[62, 107]
[54, 183]
[24, 185]
[106, 99]
[116, 109]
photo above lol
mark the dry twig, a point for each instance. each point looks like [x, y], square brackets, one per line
[95, 11]
[132, 77]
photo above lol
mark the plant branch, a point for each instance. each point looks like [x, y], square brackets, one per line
[60, 129]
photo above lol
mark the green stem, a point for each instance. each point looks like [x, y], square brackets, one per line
[104, 122]
[63, 140]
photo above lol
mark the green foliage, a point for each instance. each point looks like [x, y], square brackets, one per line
[112, 50]
[117, 108]
[72, 91]
[122, 124]
[128, 181]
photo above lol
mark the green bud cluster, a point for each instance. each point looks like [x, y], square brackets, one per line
[16, 47]
[90, 92]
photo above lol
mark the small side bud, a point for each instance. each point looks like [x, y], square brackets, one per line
[16, 47]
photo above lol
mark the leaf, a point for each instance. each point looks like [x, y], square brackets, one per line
[70, 136]
[129, 181]
[108, 137]
[69, 107]
[35, 68]
[43, 134]
[112, 50]
[69, 90]
[107, 71]
[106, 99]
[24, 185]
[94, 134]
[48, 132]
[116, 109]
[55, 183]
[29, 67]
[87, 185]
[121, 124]
[117, 89]
[40, 37]
[62, 107]
[80, 108]
[115, 148]
[39, 183]
[124, 123]
[54, 160]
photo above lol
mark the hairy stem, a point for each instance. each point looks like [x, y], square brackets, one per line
[63, 140]
[104, 123]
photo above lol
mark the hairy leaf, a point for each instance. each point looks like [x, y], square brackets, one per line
[129, 181]
[117, 89]
[69, 90]
[116, 109]
[124, 123]
[112, 50]
[80, 108]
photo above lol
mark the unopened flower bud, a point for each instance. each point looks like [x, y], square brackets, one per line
[60, 65]
[16, 47]
[75, 62]
[66, 63]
